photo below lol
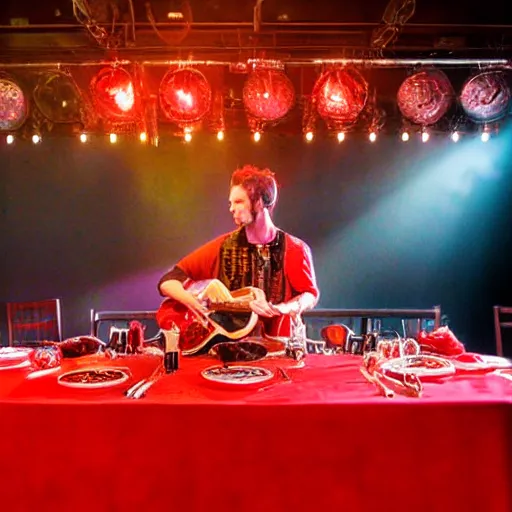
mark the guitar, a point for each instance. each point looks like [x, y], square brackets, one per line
[229, 319]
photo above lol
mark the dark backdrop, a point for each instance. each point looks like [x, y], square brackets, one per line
[391, 224]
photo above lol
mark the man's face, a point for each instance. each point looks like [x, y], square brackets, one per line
[240, 206]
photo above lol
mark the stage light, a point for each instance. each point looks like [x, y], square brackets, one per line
[13, 105]
[268, 94]
[486, 96]
[256, 136]
[405, 136]
[187, 137]
[185, 96]
[455, 136]
[9, 139]
[58, 97]
[113, 138]
[36, 139]
[485, 136]
[425, 136]
[83, 137]
[340, 95]
[372, 136]
[143, 137]
[220, 135]
[341, 136]
[309, 136]
[113, 93]
[425, 97]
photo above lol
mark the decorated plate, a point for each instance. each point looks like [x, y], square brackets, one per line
[12, 358]
[238, 375]
[91, 378]
[475, 362]
[420, 365]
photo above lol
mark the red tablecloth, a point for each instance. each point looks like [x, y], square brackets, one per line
[324, 441]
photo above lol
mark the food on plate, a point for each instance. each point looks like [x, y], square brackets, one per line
[237, 374]
[93, 376]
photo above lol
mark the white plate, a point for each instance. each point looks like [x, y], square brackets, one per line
[42, 373]
[238, 375]
[487, 363]
[90, 372]
[16, 366]
[402, 365]
[506, 374]
[12, 358]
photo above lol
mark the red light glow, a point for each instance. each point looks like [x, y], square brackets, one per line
[268, 94]
[114, 93]
[340, 95]
[185, 96]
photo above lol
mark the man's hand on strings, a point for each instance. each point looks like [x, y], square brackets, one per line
[264, 308]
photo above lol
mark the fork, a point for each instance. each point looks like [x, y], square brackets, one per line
[139, 389]
[129, 392]
[284, 375]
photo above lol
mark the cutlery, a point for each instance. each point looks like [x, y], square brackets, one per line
[140, 389]
[283, 374]
[129, 392]
[388, 393]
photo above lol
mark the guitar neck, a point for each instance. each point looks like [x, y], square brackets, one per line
[230, 307]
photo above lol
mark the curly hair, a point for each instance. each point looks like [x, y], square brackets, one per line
[259, 184]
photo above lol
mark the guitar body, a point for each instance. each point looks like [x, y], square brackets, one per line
[228, 319]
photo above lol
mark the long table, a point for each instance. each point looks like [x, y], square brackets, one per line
[325, 440]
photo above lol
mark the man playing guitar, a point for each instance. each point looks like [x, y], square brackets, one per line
[257, 269]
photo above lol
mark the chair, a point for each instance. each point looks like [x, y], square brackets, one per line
[120, 319]
[502, 320]
[412, 320]
[34, 321]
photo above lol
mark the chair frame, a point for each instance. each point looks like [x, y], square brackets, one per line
[366, 315]
[97, 317]
[10, 326]
[499, 325]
